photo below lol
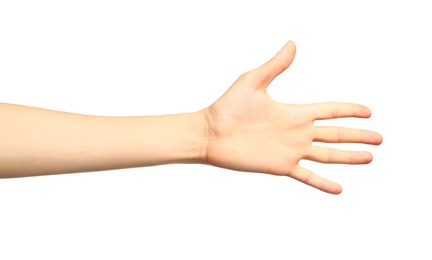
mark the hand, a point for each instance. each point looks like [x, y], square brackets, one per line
[248, 131]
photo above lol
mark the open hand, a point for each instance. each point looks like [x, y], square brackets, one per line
[248, 131]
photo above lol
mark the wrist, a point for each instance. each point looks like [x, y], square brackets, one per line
[182, 138]
[200, 136]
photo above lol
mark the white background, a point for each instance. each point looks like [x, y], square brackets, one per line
[142, 58]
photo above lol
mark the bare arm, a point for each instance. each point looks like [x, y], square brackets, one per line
[38, 142]
[244, 130]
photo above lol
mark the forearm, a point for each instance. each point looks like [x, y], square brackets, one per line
[38, 142]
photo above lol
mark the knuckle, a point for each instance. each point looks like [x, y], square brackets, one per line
[340, 133]
[334, 110]
[281, 65]
[247, 77]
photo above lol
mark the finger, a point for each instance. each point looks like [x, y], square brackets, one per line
[301, 174]
[330, 155]
[331, 134]
[331, 110]
[266, 73]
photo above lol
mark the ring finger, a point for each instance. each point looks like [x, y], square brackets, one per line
[330, 155]
[332, 134]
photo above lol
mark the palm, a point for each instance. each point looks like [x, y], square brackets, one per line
[256, 133]
[250, 132]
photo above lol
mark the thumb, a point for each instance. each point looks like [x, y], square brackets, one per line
[267, 72]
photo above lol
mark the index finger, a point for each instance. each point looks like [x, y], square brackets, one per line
[330, 110]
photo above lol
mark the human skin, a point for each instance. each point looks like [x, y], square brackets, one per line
[244, 130]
